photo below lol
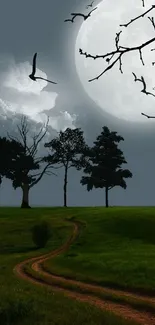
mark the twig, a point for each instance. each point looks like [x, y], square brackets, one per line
[85, 17]
[148, 116]
[142, 80]
[142, 15]
[120, 50]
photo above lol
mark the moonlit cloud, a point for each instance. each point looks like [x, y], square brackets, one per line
[21, 95]
[63, 121]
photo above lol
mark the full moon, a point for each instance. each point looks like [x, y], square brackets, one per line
[116, 93]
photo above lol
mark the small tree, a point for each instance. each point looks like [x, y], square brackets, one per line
[104, 164]
[22, 172]
[67, 150]
[41, 233]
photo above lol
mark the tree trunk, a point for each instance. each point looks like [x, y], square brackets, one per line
[106, 197]
[65, 187]
[25, 198]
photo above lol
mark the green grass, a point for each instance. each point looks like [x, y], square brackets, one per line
[24, 303]
[115, 249]
[111, 297]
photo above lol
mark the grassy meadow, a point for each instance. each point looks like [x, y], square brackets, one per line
[116, 247]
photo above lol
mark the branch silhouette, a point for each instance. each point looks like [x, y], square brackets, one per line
[116, 55]
[32, 75]
[142, 15]
[148, 116]
[119, 52]
[85, 17]
[142, 80]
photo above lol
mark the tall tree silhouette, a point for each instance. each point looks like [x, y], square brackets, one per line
[104, 164]
[27, 161]
[115, 56]
[67, 150]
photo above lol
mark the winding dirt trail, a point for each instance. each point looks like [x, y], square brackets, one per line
[127, 312]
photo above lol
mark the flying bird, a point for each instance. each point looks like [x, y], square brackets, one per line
[32, 75]
[81, 15]
[90, 5]
[148, 116]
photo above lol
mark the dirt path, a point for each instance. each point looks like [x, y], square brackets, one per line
[127, 312]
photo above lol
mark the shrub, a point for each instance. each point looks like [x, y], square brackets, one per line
[41, 233]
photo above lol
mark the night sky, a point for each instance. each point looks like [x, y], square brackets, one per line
[38, 26]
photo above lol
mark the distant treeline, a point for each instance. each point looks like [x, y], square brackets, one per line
[101, 163]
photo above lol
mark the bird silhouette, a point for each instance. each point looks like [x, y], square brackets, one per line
[32, 75]
[81, 15]
[90, 5]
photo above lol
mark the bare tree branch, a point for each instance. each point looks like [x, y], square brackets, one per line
[12, 138]
[134, 19]
[142, 80]
[38, 138]
[116, 55]
[47, 171]
[109, 188]
[85, 17]
[148, 116]
[121, 50]
[23, 131]
[152, 21]
[41, 175]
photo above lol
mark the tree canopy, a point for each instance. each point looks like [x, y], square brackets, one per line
[104, 163]
[27, 161]
[67, 150]
[10, 150]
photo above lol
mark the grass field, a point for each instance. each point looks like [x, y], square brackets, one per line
[115, 248]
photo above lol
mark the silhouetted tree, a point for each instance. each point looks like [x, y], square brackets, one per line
[22, 174]
[9, 150]
[67, 150]
[115, 56]
[104, 164]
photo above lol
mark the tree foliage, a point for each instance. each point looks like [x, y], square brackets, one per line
[22, 172]
[104, 164]
[67, 148]
[10, 150]
[28, 160]
[67, 151]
